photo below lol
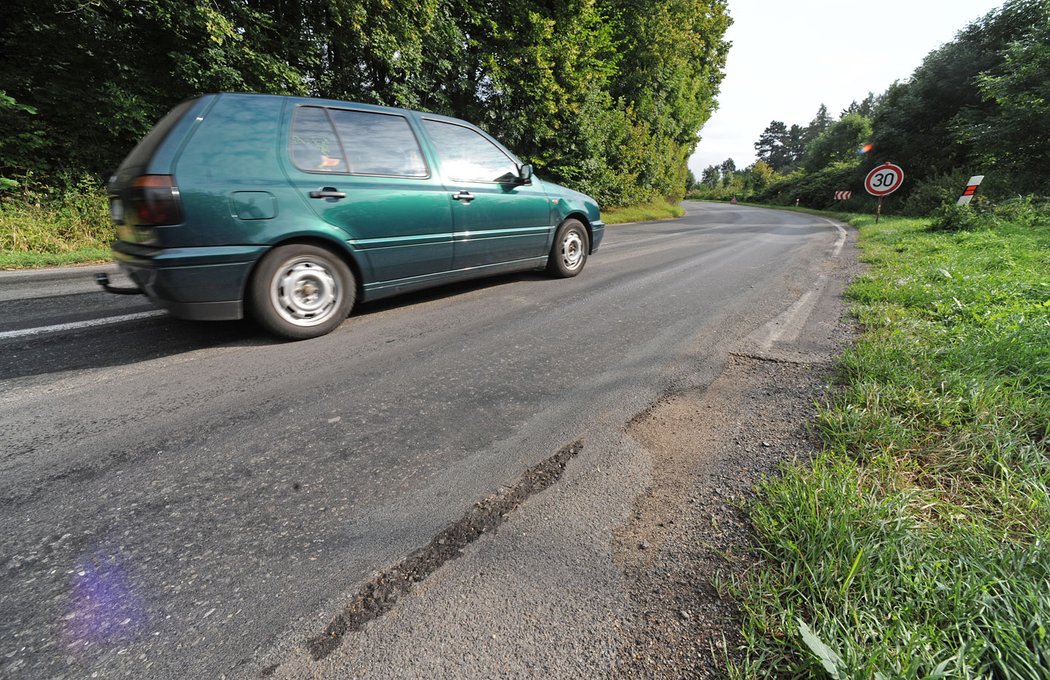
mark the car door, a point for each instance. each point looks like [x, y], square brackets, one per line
[365, 172]
[496, 218]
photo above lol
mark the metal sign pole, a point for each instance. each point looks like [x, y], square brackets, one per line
[878, 210]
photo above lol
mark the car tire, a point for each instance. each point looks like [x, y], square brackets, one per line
[569, 250]
[301, 291]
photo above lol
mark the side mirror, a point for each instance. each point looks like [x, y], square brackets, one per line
[525, 174]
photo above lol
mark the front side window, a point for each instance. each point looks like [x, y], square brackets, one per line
[379, 144]
[467, 156]
[315, 148]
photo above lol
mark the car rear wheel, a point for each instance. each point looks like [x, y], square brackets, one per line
[569, 251]
[301, 291]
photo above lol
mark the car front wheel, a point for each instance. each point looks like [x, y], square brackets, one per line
[569, 251]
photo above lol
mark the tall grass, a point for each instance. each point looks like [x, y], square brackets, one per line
[662, 209]
[54, 226]
[917, 544]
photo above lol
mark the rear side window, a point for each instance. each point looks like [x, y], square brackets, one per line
[357, 142]
[379, 144]
[315, 148]
[467, 156]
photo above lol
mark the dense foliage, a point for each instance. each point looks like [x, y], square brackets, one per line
[979, 105]
[606, 95]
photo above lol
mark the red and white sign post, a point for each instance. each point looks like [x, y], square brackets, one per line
[843, 195]
[883, 181]
[970, 190]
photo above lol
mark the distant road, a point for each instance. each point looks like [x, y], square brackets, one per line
[196, 499]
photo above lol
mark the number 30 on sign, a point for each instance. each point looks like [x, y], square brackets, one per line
[884, 180]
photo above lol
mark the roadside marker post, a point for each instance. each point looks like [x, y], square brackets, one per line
[883, 180]
[970, 190]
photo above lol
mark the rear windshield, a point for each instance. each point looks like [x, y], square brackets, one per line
[143, 151]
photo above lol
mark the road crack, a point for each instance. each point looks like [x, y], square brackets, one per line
[381, 594]
[771, 359]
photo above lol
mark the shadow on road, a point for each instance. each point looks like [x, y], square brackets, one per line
[133, 342]
[788, 231]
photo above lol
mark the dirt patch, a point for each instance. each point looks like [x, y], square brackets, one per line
[709, 449]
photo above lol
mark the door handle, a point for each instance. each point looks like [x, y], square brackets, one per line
[463, 196]
[328, 192]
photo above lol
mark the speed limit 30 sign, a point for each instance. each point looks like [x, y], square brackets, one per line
[884, 180]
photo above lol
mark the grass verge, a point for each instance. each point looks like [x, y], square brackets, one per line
[22, 260]
[917, 544]
[40, 227]
[647, 212]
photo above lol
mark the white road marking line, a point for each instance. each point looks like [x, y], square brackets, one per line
[25, 332]
[787, 327]
[842, 237]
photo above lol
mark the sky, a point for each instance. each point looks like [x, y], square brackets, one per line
[788, 58]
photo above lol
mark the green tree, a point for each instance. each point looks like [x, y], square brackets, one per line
[821, 122]
[930, 123]
[711, 176]
[757, 177]
[1014, 138]
[99, 74]
[795, 145]
[392, 52]
[839, 143]
[15, 145]
[771, 147]
[673, 55]
[606, 95]
[978, 104]
[865, 107]
[728, 170]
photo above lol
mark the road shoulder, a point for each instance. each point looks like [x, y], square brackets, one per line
[709, 447]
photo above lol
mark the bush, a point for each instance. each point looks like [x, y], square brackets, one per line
[951, 217]
[39, 219]
[817, 189]
[930, 194]
[1027, 211]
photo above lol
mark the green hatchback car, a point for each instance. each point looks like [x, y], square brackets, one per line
[292, 209]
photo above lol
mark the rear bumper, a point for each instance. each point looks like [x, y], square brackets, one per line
[191, 283]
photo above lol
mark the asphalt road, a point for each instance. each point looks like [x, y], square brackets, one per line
[196, 499]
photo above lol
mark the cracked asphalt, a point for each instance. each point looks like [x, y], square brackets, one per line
[197, 500]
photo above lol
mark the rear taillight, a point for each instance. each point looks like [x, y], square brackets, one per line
[155, 200]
